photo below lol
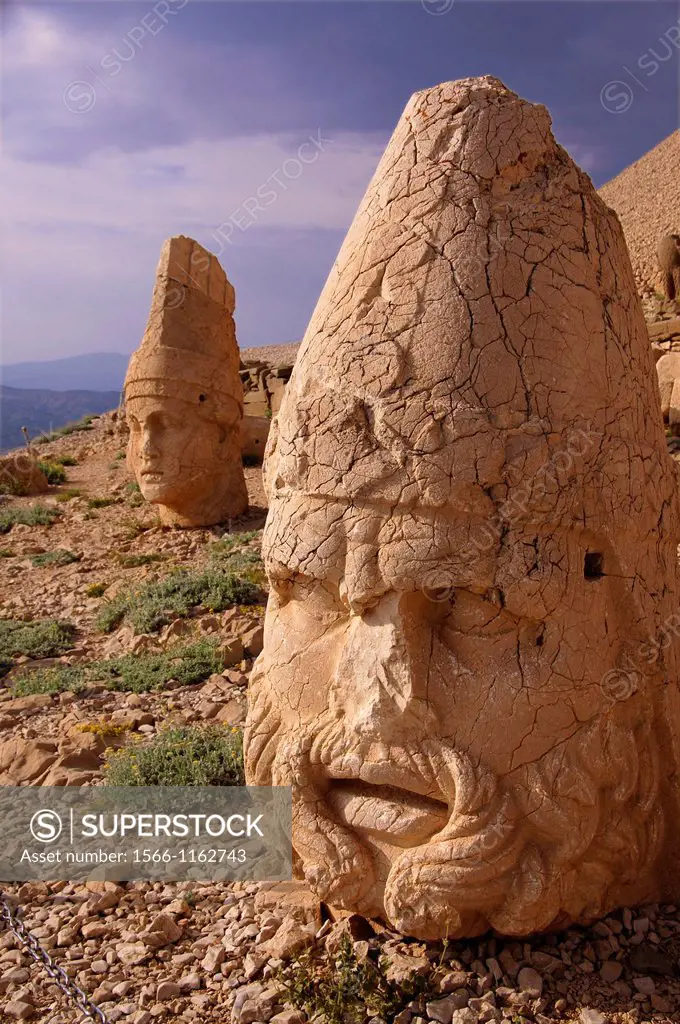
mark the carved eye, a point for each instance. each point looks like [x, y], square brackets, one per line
[201, 398]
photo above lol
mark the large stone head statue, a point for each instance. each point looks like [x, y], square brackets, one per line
[470, 675]
[183, 393]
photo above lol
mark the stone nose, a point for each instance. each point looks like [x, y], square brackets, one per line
[379, 681]
[149, 447]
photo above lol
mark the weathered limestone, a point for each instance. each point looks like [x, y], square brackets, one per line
[668, 373]
[254, 434]
[664, 337]
[20, 474]
[668, 255]
[470, 670]
[183, 393]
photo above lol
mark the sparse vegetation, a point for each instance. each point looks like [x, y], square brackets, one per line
[154, 604]
[6, 553]
[130, 673]
[232, 554]
[103, 727]
[44, 638]
[14, 486]
[31, 515]
[65, 460]
[102, 502]
[95, 590]
[180, 756]
[133, 561]
[60, 556]
[133, 529]
[69, 428]
[55, 473]
[232, 542]
[342, 988]
[134, 495]
[69, 494]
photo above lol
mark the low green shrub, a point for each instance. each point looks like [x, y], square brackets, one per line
[342, 988]
[55, 473]
[154, 604]
[134, 495]
[180, 756]
[130, 673]
[60, 556]
[133, 561]
[232, 542]
[43, 638]
[102, 502]
[69, 494]
[69, 428]
[13, 487]
[27, 515]
[65, 460]
[96, 590]
[233, 554]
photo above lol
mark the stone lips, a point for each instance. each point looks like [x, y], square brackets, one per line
[441, 373]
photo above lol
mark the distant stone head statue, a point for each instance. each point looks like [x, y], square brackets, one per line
[183, 393]
[668, 255]
[469, 675]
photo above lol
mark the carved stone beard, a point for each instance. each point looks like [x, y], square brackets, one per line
[557, 842]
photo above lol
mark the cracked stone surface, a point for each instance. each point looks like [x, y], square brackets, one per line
[183, 393]
[470, 666]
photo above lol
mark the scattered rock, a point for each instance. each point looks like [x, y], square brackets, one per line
[167, 990]
[611, 971]
[19, 1010]
[646, 959]
[530, 982]
[162, 931]
[131, 953]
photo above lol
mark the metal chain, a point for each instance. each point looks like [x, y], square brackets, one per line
[72, 991]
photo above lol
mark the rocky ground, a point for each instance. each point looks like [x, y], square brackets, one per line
[215, 952]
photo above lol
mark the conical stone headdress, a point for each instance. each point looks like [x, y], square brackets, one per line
[189, 349]
[481, 311]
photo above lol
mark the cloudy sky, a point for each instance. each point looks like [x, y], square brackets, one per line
[255, 127]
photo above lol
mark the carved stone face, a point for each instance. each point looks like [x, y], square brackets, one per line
[175, 452]
[471, 544]
[435, 732]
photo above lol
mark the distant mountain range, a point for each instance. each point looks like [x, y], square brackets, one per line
[43, 396]
[40, 410]
[96, 371]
